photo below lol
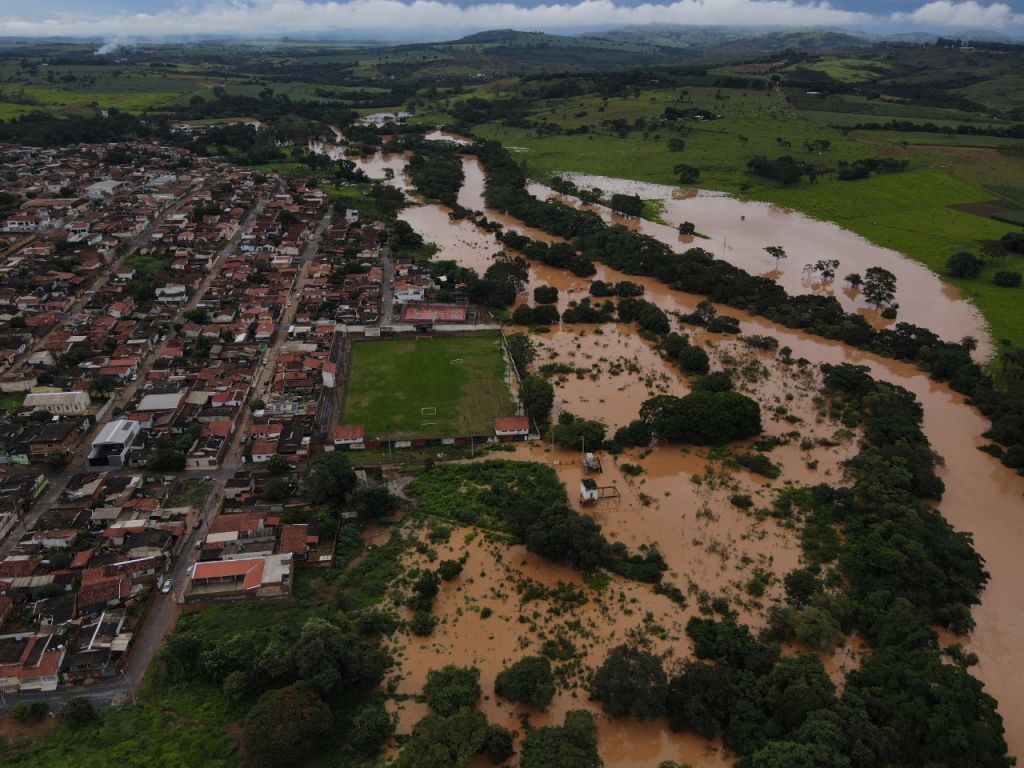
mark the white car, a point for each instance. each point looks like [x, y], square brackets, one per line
[166, 588]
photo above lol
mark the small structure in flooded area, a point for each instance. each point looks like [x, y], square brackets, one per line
[589, 492]
[591, 463]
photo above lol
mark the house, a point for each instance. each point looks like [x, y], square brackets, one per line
[512, 427]
[102, 189]
[296, 540]
[58, 437]
[76, 402]
[246, 577]
[30, 662]
[348, 437]
[110, 448]
[172, 292]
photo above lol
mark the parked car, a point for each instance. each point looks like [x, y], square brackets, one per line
[166, 588]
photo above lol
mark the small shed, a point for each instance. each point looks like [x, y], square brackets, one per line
[589, 492]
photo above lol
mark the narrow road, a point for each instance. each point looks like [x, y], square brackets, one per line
[387, 288]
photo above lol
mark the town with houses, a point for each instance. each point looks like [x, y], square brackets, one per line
[166, 336]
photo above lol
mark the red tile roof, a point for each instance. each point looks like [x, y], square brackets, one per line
[348, 432]
[250, 570]
[512, 424]
[295, 538]
[243, 521]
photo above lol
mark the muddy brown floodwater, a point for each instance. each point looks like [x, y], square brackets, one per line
[737, 231]
[706, 541]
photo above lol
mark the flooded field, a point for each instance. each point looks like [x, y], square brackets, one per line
[738, 231]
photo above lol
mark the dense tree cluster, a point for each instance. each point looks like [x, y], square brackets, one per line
[436, 170]
[690, 359]
[528, 681]
[704, 418]
[560, 746]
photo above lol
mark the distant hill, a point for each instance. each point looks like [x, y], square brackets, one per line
[515, 51]
[732, 41]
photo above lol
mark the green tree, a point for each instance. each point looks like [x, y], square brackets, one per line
[777, 252]
[687, 174]
[785, 754]
[537, 396]
[528, 681]
[817, 629]
[521, 350]
[451, 688]
[333, 659]
[879, 286]
[964, 264]
[103, 385]
[440, 741]
[545, 294]
[371, 726]
[286, 726]
[276, 489]
[78, 712]
[801, 585]
[449, 569]
[498, 744]
[330, 479]
[277, 465]
[373, 501]
[573, 745]
[631, 681]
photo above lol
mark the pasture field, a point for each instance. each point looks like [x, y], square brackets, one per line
[909, 212]
[395, 384]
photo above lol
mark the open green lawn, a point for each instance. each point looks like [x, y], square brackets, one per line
[11, 401]
[189, 493]
[392, 381]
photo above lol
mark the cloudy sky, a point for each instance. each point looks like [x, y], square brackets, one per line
[444, 19]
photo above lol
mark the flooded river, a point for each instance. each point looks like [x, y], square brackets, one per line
[706, 541]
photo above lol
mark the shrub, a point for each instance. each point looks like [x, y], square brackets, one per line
[1007, 279]
[449, 569]
[422, 623]
[964, 264]
[545, 294]
[29, 712]
[78, 712]
[759, 464]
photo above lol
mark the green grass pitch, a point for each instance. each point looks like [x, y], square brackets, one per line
[392, 382]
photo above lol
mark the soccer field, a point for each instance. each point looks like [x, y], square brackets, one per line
[413, 388]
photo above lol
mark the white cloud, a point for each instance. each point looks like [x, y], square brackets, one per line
[297, 16]
[447, 19]
[968, 14]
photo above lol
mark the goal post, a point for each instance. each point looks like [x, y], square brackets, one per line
[429, 410]
[456, 361]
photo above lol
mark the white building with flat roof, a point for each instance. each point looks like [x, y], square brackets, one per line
[110, 448]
